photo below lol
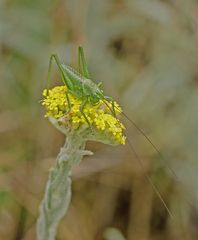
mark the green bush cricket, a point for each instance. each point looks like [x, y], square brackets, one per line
[79, 84]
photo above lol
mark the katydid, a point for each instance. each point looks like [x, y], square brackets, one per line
[81, 86]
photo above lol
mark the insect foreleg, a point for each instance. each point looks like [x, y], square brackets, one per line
[68, 103]
[113, 108]
[113, 104]
[82, 63]
[82, 112]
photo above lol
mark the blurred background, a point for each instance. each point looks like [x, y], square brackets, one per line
[145, 53]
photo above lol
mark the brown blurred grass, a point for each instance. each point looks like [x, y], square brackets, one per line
[145, 53]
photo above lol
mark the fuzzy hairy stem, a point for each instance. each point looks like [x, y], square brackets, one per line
[58, 189]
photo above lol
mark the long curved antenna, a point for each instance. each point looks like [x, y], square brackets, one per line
[143, 168]
[148, 139]
[138, 158]
[149, 178]
[158, 151]
[152, 144]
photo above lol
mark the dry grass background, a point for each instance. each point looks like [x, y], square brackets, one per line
[145, 53]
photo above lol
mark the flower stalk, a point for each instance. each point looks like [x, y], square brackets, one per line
[58, 189]
[103, 127]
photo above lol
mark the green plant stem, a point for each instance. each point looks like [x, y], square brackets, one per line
[58, 189]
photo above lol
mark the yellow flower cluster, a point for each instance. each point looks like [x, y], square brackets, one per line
[99, 116]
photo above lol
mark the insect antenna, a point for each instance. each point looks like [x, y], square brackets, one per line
[143, 168]
[149, 178]
[162, 159]
[152, 144]
[141, 163]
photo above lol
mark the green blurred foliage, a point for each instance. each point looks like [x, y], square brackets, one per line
[145, 53]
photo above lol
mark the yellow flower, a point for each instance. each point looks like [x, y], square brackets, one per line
[99, 116]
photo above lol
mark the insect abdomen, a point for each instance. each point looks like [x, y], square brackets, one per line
[72, 74]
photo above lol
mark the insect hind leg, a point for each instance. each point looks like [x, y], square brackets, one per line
[82, 63]
[64, 76]
[52, 57]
